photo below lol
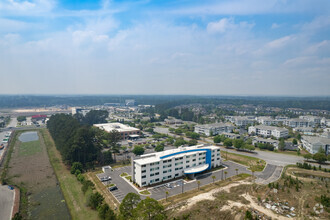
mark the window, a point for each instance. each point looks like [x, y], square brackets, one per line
[165, 171]
[188, 161]
[194, 159]
[143, 171]
[212, 159]
[144, 176]
[144, 165]
[144, 183]
[177, 174]
[187, 157]
[157, 173]
[152, 174]
[187, 166]
[157, 179]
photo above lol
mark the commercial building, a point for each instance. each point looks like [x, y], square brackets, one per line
[166, 165]
[173, 121]
[268, 131]
[313, 144]
[214, 129]
[80, 111]
[125, 131]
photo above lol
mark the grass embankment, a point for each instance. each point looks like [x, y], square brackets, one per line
[253, 163]
[71, 187]
[9, 153]
[102, 189]
[203, 189]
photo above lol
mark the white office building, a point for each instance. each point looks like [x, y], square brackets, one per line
[166, 165]
[214, 129]
[125, 131]
[313, 143]
[268, 131]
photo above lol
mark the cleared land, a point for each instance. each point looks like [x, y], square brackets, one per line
[295, 195]
[71, 187]
[253, 163]
[32, 172]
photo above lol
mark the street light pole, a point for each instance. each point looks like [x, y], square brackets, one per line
[182, 186]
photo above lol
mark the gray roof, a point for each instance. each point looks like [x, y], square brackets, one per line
[265, 127]
[315, 140]
[215, 125]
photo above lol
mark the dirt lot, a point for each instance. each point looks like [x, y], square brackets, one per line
[296, 195]
[40, 191]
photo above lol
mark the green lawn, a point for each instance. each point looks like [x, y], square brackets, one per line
[29, 148]
[71, 187]
[253, 163]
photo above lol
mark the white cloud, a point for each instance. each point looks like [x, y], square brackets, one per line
[275, 26]
[27, 7]
[226, 24]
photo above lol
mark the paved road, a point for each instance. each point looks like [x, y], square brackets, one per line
[6, 202]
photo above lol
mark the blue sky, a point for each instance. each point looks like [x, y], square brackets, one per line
[225, 47]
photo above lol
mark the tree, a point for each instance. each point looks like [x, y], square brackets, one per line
[213, 177]
[281, 145]
[308, 156]
[95, 117]
[95, 200]
[228, 142]
[159, 147]
[113, 138]
[138, 150]
[320, 157]
[179, 142]
[128, 205]
[76, 166]
[238, 143]
[192, 142]
[106, 213]
[150, 209]
[192, 135]
[249, 147]
[294, 142]
[198, 183]
[217, 139]
[21, 118]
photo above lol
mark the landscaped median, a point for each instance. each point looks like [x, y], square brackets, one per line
[128, 179]
[253, 163]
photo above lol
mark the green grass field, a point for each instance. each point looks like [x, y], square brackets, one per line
[29, 148]
[253, 163]
[71, 187]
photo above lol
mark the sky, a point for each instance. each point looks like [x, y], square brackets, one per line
[223, 47]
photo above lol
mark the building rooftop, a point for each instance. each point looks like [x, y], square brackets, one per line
[265, 127]
[156, 157]
[215, 125]
[115, 126]
[315, 140]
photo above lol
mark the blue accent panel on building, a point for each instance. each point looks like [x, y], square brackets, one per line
[208, 155]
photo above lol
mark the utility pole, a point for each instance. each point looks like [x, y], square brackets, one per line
[182, 186]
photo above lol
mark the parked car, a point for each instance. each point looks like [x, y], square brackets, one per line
[105, 178]
[112, 188]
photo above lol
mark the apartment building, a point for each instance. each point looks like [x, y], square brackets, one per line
[298, 122]
[266, 141]
[214, 129]
[313, 143]
[124, 130]
[162, 166]
[313, 119]
[268, 121]
[268, 131]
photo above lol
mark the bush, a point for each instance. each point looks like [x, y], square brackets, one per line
[80, 178]
[87, 184]
[95, 200]
[76, 166]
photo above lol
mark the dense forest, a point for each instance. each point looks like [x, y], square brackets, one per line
[162, 101]
[78, 141]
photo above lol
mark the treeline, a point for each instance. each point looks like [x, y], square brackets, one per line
[78, 141]
[164, 102]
